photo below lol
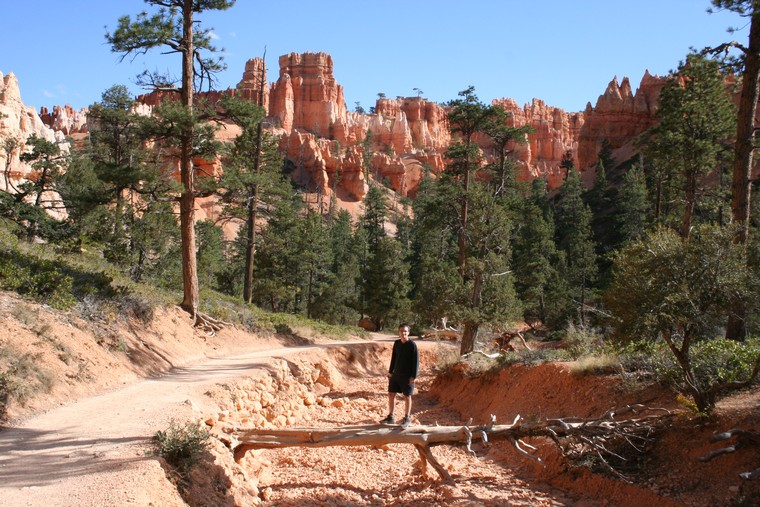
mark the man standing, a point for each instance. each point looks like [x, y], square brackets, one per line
[405, 362]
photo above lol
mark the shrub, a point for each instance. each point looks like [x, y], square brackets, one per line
[138, 307]
[715, 363]
[182, 445]
[20, 378]
[581, 341]
[595, 364]
[39, 279]
[645, 358]
[680, 293]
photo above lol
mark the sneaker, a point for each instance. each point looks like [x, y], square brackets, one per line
[388, 420]
[406, 421]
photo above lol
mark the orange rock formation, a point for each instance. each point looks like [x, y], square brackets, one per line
[326, 144]
[331, 149]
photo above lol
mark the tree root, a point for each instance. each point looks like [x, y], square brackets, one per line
[208, 324]
[743, 437]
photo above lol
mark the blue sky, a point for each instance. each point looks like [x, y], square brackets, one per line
[564, 52]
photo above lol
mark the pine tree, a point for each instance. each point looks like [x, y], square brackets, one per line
[115, 151]
[374, 216]
[696, 117]
[535, 256]
[338, 302]
[633, 210]
[434, 275]
[27, 205]
[470, 206]
[574, 239]
[463, 224]
[176, 28]
[252, 179]
[156, 245]
[212, 257]
[278, 284]
[314, 260]
[387, 284]
[743, 160]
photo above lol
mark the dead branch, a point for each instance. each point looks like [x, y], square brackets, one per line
[441, 334]
[572, 435]
[743, 437]
[493, 355]
[503, 341]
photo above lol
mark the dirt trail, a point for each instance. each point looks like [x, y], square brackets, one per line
[96, 451]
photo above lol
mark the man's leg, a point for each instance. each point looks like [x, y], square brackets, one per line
[391, 403]
[408, 405]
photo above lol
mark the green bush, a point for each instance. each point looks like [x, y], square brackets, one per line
[581, 341]
[642, 357]
[715, 362]
[680, 293]
[20, 378]
[38, 279]
[182, 445]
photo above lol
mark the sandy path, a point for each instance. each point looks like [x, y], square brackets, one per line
[96, 451]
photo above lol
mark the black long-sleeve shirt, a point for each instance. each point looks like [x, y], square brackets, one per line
[405, 359]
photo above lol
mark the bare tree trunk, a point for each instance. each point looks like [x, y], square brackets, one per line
[592, 436]
[253, 204]
[187, 174]
[250, 247]
[469, 336]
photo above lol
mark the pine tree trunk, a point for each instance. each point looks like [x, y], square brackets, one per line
[250, 247]
[191, 298]
[741, 186]
[690, 198]
[745, 132]
[463, 224]
[250, 251]
[469, 335]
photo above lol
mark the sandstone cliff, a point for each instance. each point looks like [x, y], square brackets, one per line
[333, 150]
[65, 119]
[17, 123]
[329, 146]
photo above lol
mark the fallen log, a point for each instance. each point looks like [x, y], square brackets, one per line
[589, 435]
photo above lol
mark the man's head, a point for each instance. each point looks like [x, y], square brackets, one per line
[403, 332]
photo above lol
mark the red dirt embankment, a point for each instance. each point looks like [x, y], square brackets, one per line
[670, 472]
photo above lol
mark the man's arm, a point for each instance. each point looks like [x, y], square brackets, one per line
[393, 359]
[416, 363]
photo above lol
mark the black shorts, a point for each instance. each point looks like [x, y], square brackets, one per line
[399, 384]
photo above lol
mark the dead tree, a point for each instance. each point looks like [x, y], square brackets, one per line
[743, 437]
[573, 435]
